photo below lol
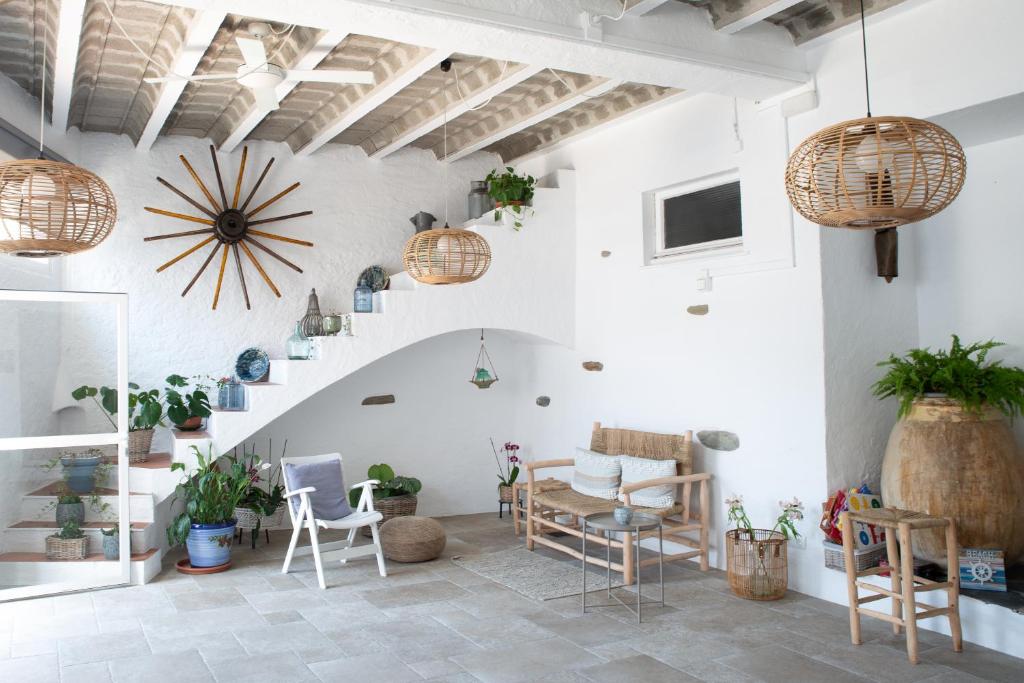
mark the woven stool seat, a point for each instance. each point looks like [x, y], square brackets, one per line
[891, 518]
[412, 539]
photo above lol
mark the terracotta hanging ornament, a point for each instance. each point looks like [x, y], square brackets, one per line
[876, 173]
[482, 377]
[313, 322]
[229, 227]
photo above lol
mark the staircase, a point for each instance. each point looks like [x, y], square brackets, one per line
[516, 293]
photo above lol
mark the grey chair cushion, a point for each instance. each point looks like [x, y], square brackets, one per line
[330, 500]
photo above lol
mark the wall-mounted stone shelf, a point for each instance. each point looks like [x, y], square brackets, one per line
[700, 309]
[719, 440]
[379, 400]
[605, 253]
[593, 366]
[543, 401]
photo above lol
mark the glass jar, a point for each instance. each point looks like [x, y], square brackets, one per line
[231, 396]
[478, 202]
[346, 325]
[298, 346]
[332, 324]
[363, 299]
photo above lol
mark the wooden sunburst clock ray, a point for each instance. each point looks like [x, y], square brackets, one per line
[230, 227]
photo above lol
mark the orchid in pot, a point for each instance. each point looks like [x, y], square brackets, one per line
[262, 506]
[509, 472]
[757, 559]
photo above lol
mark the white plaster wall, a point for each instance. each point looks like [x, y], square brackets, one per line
[437, 430]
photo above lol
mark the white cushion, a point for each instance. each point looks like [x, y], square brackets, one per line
[642, 469]
[596, 474]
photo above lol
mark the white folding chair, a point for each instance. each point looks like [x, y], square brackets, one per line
[363, 515]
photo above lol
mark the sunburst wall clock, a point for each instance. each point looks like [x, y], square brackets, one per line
[230, 227]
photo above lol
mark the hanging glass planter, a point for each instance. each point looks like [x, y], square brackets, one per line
[482, 377]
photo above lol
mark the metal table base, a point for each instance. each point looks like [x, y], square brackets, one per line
[638, 524]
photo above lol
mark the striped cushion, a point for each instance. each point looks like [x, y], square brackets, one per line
[596, 474]
[641, 469]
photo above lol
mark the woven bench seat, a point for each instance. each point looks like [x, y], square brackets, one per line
[576, 503]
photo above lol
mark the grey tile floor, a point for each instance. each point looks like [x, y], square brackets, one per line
[438, 622]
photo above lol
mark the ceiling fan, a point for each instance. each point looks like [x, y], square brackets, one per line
[262, 76]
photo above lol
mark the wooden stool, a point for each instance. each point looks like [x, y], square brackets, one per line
[904, 606]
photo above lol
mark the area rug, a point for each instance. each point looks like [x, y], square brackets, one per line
[534, 575]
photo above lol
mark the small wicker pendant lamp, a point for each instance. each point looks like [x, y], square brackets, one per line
[446, 256]
[52, 208]
[482, 377]
[877, 172]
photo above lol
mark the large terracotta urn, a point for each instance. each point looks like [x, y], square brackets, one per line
[949, 462]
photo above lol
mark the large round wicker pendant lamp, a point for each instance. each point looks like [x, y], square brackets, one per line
[878, 172]
[52, 208]
[446, 256]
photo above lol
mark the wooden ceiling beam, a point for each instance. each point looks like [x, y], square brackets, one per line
[637, 8]
[69, 35]
[730, 16]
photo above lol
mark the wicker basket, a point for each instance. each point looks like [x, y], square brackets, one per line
[757, 563]
[139, 443]
[412, 539]
[504, 494]
[395, 506]
[58, 548]
[866, 558]
[248, 518]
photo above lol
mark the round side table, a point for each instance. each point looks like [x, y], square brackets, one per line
[605, 521]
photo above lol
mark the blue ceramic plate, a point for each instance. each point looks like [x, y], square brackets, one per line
[375, 278]
[252, 365]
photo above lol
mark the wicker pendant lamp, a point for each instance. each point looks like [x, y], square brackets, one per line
[878, 172]
[446, 256]
[52, 208]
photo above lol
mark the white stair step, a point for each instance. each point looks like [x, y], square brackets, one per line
[37, 505]
[32, 569]
[31, 536]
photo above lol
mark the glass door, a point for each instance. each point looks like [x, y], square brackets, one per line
[65, 505]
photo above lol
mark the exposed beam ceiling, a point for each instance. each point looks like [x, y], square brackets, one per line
[316, 53]
[69, 35]
[730, 16]
[432, 113]
[201, 31]
[680, 50]
[391, 77]
[812, 19]
[638, 8]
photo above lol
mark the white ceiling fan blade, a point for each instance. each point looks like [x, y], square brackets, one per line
[266, 99]
[203, 77]
[252, 51]
[331, 76]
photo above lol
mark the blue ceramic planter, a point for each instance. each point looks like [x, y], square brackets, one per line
[81, 473]
[209, 545]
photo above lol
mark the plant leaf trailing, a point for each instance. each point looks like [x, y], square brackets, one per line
[211, 495]
[389, 487]
[65, 496]
[513, 191]
[961, 373]
[71, 529]
[144, 408]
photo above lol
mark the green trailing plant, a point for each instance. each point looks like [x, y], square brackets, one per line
[962, 373]
[71, 529]
[184, 405]
[266, 490]
[210, 495]
[145, 411]
[390, 484]
[64, 494]
[512, 191]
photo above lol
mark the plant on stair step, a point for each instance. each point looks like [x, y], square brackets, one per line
[188, 409]
[511, 193]
[111, 543]
[394, 496]
[69, 504]
[210, 496]
[69, 543]
[145, 412]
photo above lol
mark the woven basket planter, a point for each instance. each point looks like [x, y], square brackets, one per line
[139, 443]
[505, 494]
[396, 506]
[58, 548]
[252, 519]
[757, 563]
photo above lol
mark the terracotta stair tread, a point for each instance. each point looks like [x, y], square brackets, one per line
[53, 489]
[94, 557]
[43, 524]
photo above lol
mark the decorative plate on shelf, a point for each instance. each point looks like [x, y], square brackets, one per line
[375, 278]
[253, 365]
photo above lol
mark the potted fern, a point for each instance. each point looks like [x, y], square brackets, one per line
[512, 194]
[952, 452]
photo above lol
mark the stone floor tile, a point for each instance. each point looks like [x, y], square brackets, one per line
[275, 601]
[716, 672]
[181, 666]
[437, 668]
[878, 663]
[97, 672]
[494, 633]
[420, 592]
[279, 667]
[38, 669]
[39, 646]
[772, 663]
[591, 629]
[526, 663]
[211, 646]
[199, 623]
[88, 649]
[372, 667]
[287, 616]
[211, 599]
[265, 640]
[979, 661]
[638, 668]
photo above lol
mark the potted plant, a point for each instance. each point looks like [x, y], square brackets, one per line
[111, 543]
[757, 561]
[262, 506]
[207, 524]
[511, 193]
[187, 410]
[145, 412]
[69, 543]
[394, 497]
[69, 508]
[508, 473]
[952, 452]
[79, 469]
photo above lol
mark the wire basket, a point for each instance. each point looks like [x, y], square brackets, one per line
[757, 563]
[249, 518]
[58, 548]
[865, 558]
[395, 506]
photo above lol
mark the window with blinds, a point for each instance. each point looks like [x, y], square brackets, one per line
[697, 216]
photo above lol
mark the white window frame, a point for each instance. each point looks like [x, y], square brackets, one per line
[654, 228]
[119, 438]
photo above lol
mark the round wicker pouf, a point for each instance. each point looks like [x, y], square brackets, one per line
[412, 539]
